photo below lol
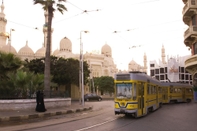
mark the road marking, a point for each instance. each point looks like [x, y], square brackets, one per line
[82, 129]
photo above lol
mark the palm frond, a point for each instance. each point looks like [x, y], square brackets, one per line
[61, 0]
[61, 8]
[42, 2]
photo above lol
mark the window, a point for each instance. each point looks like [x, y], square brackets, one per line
[157, 77]
[194, 20]
[160, 90]
[186, 77]
[152, 72]
[182, 69]
[161, 77]
[152, 65]
[153, 90]
[166, 69]
[134, 91]
[148, 89]
[171, 89]
[195, 48]
[161, 70]
[157, 71]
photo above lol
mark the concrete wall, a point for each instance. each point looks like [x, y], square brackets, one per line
[31, 103]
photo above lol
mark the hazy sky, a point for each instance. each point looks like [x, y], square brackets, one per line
[153, 23]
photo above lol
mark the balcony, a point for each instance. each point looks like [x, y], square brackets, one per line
[191, 64]
[190, 35]
[189, 10]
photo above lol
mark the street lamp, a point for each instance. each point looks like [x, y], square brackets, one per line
[81, 74]
[10, 38]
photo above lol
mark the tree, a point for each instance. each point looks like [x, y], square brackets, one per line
[8, 63]
[48, 5]
[104, 84]
[66, 72]
[35, 65]
[63, 71]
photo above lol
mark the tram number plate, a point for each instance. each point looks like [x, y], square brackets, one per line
[122, 110]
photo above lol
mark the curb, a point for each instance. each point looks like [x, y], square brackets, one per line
[44, 115]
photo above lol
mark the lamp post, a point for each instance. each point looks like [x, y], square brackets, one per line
[81, 77]
[10, 38]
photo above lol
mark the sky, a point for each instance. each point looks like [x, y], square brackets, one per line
[151, 24]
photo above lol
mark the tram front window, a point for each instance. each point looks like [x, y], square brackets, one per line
[124, 90]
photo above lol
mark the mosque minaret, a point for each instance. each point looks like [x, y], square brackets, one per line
[145, 63]
[3, 22]
[163, 55]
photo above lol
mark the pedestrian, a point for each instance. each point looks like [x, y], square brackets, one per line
[40, 107]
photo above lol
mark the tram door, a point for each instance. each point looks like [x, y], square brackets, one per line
[156, 88]
[141, 109]
[165, 94]
[183, 94]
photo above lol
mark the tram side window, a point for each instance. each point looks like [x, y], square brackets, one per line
[153, 89]
[188, 90]
[175, 90]
[179, 90]
[171, 89]
[134, 91]
[148, 89]
[160, 90]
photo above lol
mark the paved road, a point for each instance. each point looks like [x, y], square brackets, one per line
[173, 117]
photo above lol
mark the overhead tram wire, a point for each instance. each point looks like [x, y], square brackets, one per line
[84, 11]
[135, 28]
[22, 25]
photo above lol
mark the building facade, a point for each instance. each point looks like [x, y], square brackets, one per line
[172, 70]
[190, 36]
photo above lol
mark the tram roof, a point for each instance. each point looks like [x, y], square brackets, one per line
[141, 76]
[136, 75]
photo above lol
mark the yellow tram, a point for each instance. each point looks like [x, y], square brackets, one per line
[136, 93]
[177, 92]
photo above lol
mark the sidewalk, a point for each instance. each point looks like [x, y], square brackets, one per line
[17, 115]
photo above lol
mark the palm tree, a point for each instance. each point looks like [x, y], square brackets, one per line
[48, 5]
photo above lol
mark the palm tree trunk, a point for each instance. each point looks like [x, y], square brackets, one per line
[47, 55]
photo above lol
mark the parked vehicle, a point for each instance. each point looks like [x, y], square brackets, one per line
[92, 96]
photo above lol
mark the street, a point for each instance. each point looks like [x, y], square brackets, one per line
[171, 117]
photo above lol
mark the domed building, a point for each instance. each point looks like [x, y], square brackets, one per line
[100, 63]
[8, 48]
[65, 50]
[40, 52]
[106, 50]
[26, 52]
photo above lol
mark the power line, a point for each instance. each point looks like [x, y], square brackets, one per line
[22, 24]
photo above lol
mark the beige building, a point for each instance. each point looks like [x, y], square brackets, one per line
[190, 36]
[134, 66]
[100, 63]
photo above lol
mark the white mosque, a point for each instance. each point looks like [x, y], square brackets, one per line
[101, 64]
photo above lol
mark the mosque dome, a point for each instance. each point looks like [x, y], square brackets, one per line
[65, 45]
[26, 50]
[55, 52]
[132, 63]
[41, 52]
[9, 48]
[106, 50]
